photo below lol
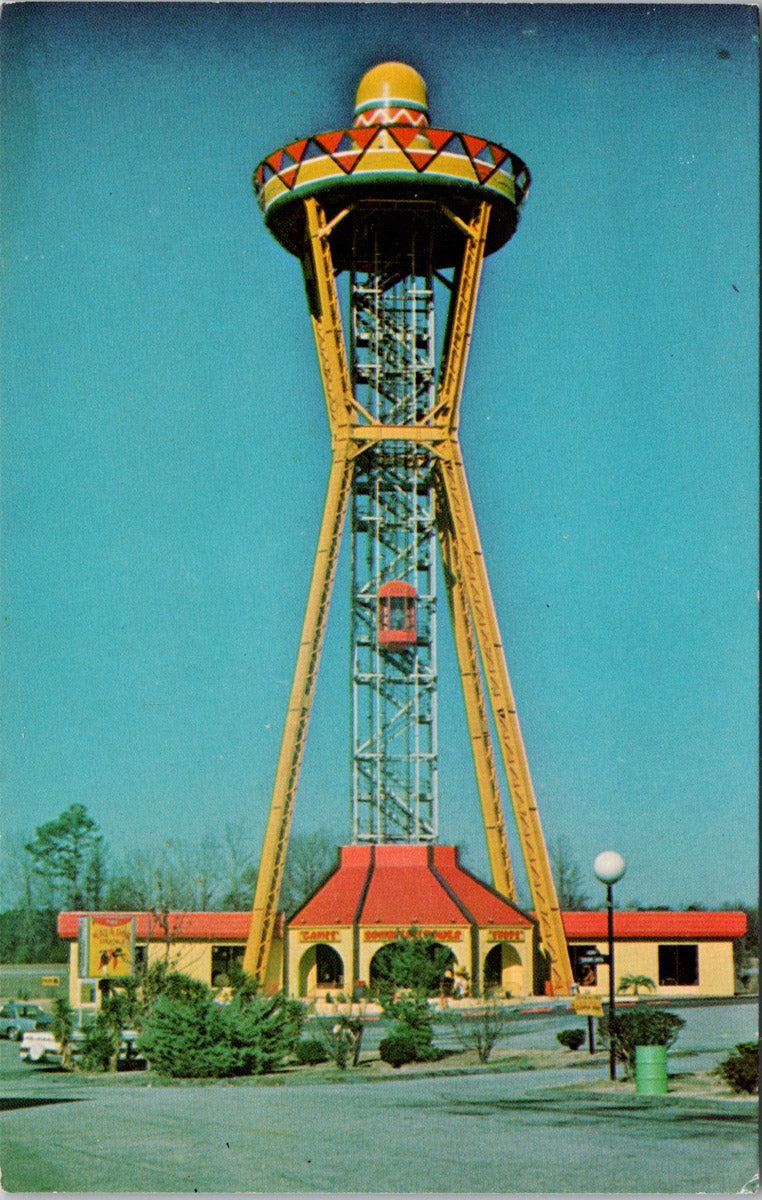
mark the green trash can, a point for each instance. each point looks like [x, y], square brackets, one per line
[651, 1070]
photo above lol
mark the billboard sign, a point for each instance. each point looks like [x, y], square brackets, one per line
[106, 947]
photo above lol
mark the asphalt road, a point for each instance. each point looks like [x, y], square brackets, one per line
[709, 1029]
[529, 1131]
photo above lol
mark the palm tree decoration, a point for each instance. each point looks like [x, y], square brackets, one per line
[633, 983]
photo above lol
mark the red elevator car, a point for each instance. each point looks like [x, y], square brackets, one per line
[397, 614]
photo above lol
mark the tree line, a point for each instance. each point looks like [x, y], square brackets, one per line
[67, 865]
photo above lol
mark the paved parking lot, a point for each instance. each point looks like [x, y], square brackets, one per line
[528, 1131]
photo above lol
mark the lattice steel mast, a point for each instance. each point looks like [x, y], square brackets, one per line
[397, 203]
[393, 370]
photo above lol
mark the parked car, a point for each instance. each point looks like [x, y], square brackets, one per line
[40, 1046]
[19, 1017]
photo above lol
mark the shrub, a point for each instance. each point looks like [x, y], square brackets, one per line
[174, 985]
[189, 1035]
[633, 983]
[740, 1070]
[262, 1030]
[99, 1046]
[63, 1019]
[188, 1038]
[398, 1048]
[571, 1038]
[309, 1051]
[640, 1026]
[123, 1005]
[63, 1028]
[99, 1049]
[161, 980]
[340, 1038]
[414, 1023]
[482, 1030]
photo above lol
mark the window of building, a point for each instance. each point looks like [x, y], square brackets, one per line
[225, 961]
[585, 974]
[678, 966]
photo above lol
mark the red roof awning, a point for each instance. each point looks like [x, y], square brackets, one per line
[655, 924]
[178, 926]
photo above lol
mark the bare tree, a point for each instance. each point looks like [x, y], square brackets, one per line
[237, 868]
[311, 858]
[568, 876]
[21, 886]
[194, 868]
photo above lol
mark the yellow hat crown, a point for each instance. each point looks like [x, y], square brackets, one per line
[391, 93]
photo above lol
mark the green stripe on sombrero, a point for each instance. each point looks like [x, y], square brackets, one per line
[390, 102]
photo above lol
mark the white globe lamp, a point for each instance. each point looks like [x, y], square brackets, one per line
[609, 867]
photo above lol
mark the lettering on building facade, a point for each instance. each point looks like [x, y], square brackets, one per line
[391, 935]
[319, 935]
[505, 935]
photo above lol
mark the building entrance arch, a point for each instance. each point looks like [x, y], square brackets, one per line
[321, 966]
[441, 959]
[502, 970]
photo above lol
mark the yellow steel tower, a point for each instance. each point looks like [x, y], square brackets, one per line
[403, 209]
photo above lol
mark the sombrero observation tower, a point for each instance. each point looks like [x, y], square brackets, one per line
[406, 213]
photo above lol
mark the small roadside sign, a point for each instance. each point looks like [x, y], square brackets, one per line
[587, 1006]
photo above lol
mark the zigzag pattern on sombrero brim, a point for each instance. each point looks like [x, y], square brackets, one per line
[391, 150]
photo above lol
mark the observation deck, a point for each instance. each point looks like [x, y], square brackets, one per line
[393, 160]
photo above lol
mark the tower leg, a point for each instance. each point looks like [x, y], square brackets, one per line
[329, 341]
[476, 712]
[461, 320]
[275, 843]
[323, 300]
[506, 720]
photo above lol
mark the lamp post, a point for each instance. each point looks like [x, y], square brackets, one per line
[609, 867]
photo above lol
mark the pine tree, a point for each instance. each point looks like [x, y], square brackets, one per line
[68, 854]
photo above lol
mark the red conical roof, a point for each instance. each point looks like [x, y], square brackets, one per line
[405, 886]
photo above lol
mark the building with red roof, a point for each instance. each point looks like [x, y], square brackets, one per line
[378, 893]
[683, 953]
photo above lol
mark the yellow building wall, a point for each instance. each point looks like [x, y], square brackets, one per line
[716, 971]
[517, 968]
[302, 967]
[715, 963]
[190, 958]
[715, 967]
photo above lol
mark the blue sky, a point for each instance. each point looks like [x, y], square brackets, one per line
[165, 450]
